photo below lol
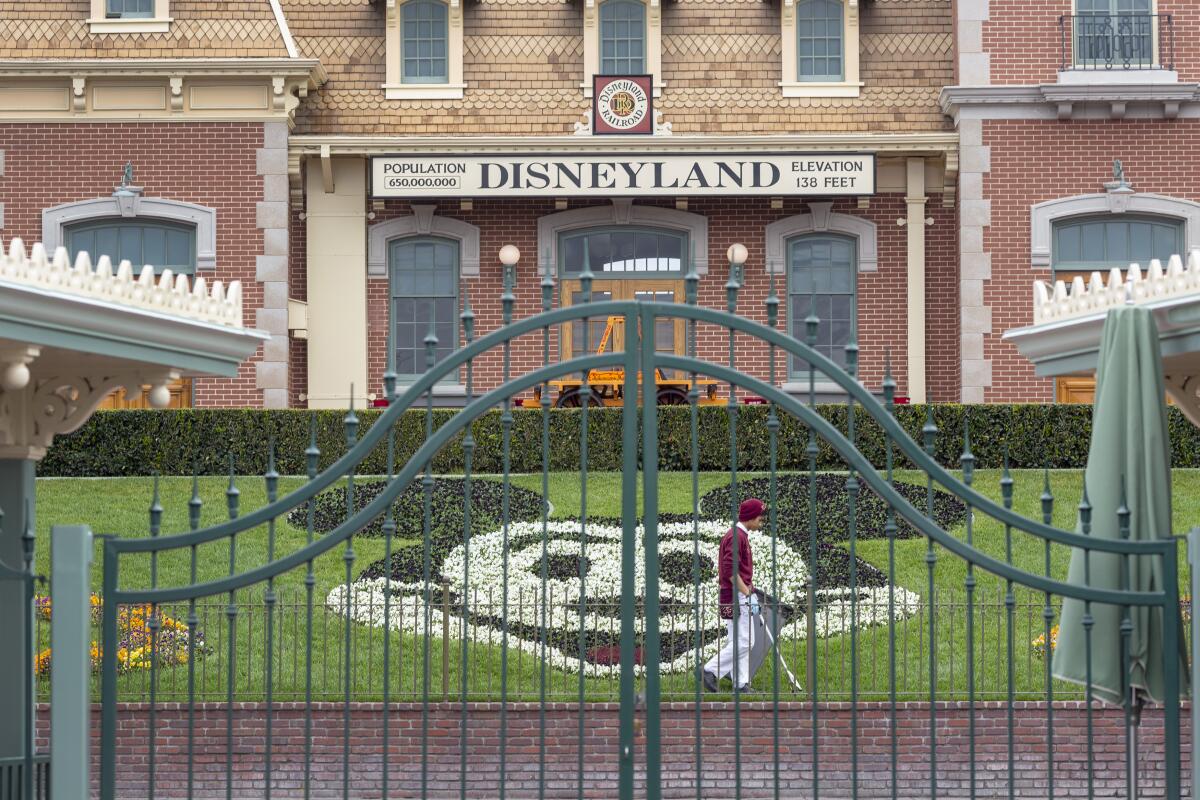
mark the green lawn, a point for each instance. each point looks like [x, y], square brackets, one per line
[119, 506]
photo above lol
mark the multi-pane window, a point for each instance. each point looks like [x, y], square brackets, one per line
[622, 37]
[621, 252]
[129, 9]
[424, 42]
[161, 244]
[821, 279]
[1091, 243]
[1114, 32]
[819, 35]
[424, 289]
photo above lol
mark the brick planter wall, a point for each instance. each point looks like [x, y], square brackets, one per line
[601, 757]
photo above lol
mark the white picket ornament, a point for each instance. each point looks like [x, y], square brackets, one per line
[168, 292]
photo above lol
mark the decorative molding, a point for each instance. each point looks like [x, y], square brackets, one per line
[931, 143]
[622, 211]
[57, 218]
[1067, 101]
[950, 181]
[1057, 302]
[295, 178]
[168, 293]
[1043, 216]
[423, 222]
[821, 220]
[158, 89]
[30, 417]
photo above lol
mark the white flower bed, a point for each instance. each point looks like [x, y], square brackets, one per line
[407, 609]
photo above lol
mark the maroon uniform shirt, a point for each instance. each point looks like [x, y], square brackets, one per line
[725, 568]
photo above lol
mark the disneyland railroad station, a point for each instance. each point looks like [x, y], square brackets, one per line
[903, 167]
[921, 279]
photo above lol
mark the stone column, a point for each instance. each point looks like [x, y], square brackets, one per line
[271, 268]
[337, 283]
[915, 225]
[16, 662]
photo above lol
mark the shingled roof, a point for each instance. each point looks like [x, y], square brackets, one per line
[523, 65]
[36, 29]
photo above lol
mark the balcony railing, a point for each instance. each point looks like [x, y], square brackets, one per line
[1116, 41]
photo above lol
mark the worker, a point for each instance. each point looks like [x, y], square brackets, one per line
[734, 657]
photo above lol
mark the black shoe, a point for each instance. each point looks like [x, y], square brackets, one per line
[747, 689]
[710, 681]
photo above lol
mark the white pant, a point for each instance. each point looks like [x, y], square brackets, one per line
[722, 663]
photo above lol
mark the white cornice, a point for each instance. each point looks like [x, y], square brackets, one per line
[880, 143]
[1062, 98]
[87, 67]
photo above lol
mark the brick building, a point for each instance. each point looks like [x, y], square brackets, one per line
[1048, 98]
[355, 161]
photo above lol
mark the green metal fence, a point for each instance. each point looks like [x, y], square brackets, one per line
[25, 777]
[650, 654]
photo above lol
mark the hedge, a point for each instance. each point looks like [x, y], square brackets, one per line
[176, 442]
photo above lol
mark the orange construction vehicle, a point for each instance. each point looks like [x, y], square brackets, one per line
[607, 386]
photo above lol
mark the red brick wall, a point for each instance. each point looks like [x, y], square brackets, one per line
[1022, 37]
[601, 746]
[1021, 175]
[882, 295]
[212, 164]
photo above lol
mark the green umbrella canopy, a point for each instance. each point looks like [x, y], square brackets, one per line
[1129, 457]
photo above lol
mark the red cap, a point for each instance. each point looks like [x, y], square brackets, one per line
[751, 508]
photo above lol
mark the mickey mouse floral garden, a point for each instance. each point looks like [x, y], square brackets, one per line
[395, 588]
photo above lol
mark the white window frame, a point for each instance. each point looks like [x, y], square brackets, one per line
[159, 23]
[1043, 216]
[395, 88]
[591, 43]
[56, 219]
[424, 222]
[850, 85]
[622, 212]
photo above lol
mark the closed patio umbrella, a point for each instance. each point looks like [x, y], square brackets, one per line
[1129, 460]
[1129, 456]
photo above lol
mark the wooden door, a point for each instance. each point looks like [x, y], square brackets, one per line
[670, 337]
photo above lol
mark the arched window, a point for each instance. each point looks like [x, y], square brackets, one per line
[822, 272]
[165, 245]
[424, 42]
[623, 252]
[819, 40]
[423, 275]
[1113, 240]
[622, 38]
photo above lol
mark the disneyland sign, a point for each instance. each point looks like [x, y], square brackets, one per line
[609, 175]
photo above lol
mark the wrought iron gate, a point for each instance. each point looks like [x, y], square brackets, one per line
[435, 740]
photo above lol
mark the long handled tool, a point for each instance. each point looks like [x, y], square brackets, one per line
[770, 638]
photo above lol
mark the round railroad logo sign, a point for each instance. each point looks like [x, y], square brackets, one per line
[623, 104]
